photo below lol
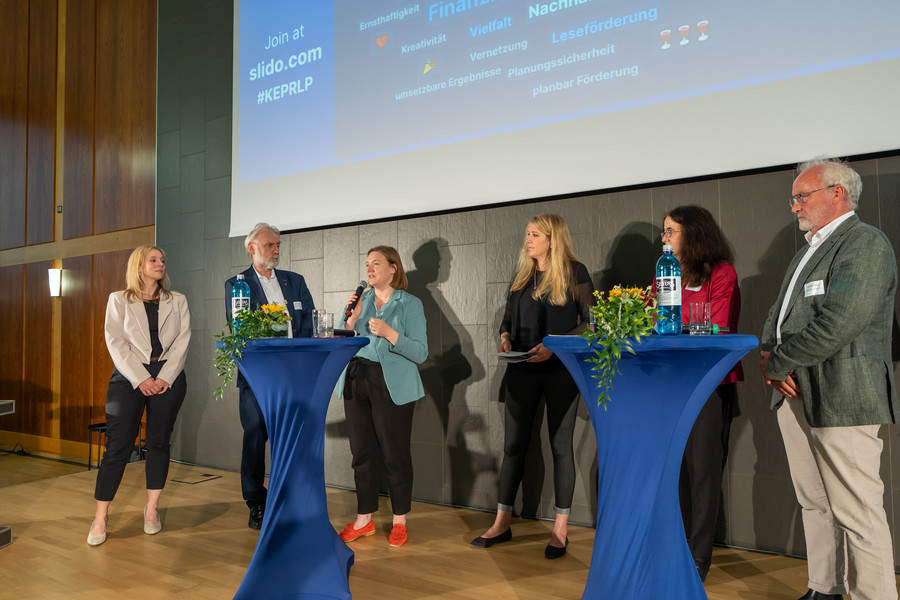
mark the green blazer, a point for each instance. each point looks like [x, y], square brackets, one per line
[836, 334]
[405, 314]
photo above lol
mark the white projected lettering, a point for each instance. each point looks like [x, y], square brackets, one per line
[530, 99]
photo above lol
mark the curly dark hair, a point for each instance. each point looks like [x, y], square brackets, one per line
[703, 245]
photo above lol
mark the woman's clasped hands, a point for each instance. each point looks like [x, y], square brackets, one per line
[152, 387]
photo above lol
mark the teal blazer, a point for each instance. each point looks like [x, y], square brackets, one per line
[404, 313]
[836, 334]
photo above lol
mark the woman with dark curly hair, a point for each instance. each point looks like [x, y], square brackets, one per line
[707, 275]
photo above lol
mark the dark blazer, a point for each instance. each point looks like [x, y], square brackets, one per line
[836, 334]
[293, 287]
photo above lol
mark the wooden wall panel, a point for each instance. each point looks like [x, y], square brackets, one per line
[125, 152]
[37, 396]
[13, 120]
[42, 52]
[12, 303]
[109, 276]
[107, 145]
[78, 157]
[76, 375]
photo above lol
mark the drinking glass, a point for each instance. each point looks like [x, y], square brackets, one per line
[325, 324]
[699, 318]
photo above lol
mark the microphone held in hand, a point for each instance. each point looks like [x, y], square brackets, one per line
[359, 290]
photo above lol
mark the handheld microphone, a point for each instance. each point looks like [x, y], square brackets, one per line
[362, 285]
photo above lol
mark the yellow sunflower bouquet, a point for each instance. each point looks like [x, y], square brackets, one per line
[624, 316]
[268, 321]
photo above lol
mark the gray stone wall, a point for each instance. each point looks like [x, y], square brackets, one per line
[459, 265]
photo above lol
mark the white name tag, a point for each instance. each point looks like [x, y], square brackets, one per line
[299, 305]
[814, 288]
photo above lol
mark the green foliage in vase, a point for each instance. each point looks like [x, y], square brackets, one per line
[270, 320]
[623, 317]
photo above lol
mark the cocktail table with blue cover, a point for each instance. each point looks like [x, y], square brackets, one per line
[640, 549]
[299, 554]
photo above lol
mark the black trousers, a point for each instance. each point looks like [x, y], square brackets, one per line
[379, 431]
[701, 469]
[525, 385]
[124, 407]
[253, 450]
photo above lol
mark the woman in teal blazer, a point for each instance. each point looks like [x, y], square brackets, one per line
[379, 388]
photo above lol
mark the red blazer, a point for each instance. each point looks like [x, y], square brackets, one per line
[724, 297]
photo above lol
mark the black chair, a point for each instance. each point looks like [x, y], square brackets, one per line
[100, 428]
[139, 453]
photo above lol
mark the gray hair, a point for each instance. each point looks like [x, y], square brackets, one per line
[254, 233]
[834, 171]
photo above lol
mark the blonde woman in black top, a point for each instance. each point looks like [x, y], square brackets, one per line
[551, 294]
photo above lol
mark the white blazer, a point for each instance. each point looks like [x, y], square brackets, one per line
[128, 336]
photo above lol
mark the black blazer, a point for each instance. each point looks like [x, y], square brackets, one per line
[293, 287]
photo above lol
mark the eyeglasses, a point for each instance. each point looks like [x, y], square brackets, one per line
[668, 233]
[802, 197]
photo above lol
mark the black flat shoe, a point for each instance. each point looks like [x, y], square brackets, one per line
[483, 542]
[814, 595]
[553, 552]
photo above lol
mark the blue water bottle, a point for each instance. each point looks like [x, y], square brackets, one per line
[240, 301]
[668, 293]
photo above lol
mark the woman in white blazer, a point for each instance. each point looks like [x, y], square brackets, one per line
[147, 329]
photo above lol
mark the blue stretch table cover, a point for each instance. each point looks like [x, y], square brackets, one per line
[299, 554]
[640, 549]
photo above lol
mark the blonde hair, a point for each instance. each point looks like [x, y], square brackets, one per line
[399, 281]
[559, 277]
[134, 278]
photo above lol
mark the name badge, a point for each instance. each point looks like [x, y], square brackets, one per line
[298, 305]
[814, 288]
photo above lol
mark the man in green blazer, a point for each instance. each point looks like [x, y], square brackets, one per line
[826, 352]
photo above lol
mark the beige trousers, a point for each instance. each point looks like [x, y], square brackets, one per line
[836, 475]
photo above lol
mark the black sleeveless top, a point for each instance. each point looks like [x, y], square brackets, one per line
[152, 308]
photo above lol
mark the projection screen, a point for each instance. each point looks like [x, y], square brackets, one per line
[357, 110]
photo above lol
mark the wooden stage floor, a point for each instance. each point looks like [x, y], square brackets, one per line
[205, 546]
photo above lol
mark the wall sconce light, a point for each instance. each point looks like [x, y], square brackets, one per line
[55, 276]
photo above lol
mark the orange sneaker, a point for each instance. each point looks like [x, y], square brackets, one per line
[398, 535]
[350, 533]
